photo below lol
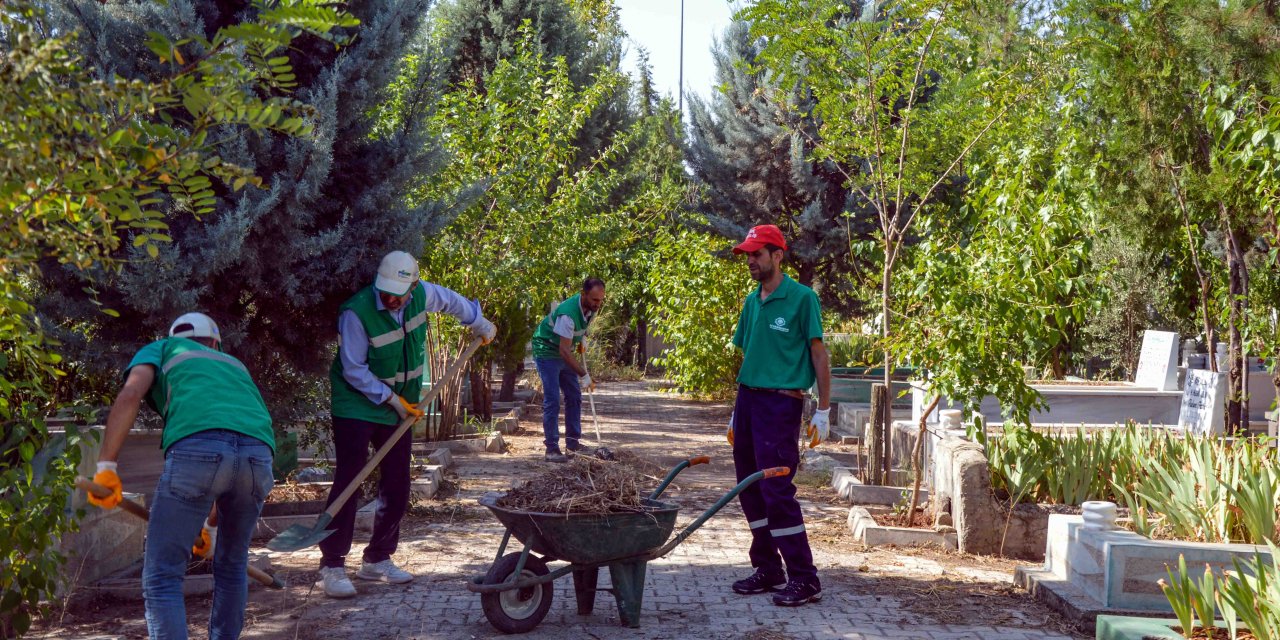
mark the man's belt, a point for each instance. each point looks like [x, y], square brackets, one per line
[790, 393]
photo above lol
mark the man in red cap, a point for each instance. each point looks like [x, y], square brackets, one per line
[780, 334]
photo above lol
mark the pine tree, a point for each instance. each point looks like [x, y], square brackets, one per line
[753, 157]
[272, 264]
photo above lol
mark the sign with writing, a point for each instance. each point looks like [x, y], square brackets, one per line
[1201, 411]
[1158, 364]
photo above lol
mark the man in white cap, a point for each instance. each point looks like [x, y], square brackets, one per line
[218, 447]
[377, 381]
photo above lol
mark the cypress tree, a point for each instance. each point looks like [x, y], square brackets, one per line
[270, 265]
[750, 148]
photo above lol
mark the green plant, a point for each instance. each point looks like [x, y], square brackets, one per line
[1192, 600]
[1252, 593]
[1191, 488]
[92, 161]
[853, 350]
[697, 299]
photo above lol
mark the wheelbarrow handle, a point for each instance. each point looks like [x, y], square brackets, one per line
[89, 486]
[733, 493]
[671, 475]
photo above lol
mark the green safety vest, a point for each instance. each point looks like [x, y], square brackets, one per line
[198, 389]
[397, 356]
[546, 343]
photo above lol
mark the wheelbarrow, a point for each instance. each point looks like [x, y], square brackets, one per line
[516, 592]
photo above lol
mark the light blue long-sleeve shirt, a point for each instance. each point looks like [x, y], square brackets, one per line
[353, 343]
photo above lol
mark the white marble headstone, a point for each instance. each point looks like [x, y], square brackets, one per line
[1158, 363]
[1202, 396]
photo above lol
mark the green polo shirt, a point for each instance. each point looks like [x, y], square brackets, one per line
[774, 336]
[197, 389]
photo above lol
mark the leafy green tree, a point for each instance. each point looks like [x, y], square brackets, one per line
[894, 100]
[698, 296]
[477, 35]
[1182, 92]
[655, 185]
[272, 262]
[751, 145]
[92, 161]
[541, 223]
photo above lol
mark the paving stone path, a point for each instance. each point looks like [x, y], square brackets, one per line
[867, 593]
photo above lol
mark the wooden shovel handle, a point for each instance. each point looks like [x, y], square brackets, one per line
[136, 509]
[100, 491]
[369, 466]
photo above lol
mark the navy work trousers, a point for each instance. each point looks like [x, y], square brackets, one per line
[766, 428]
[351, 440]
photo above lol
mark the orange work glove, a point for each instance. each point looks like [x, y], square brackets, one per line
[203, 548]
[106, 476]
[581, 348]
[403, 407]
[728, 435]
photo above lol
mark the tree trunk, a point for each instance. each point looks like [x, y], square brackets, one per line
[885, 283]
[1237, 291]
[917, 460]
[877, 437]
[642, 338]
[481, 400]
[509, 379]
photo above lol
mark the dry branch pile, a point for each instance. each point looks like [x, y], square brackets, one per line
[585, 485]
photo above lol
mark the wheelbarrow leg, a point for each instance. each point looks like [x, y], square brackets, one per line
[628, 588]
[584, 588]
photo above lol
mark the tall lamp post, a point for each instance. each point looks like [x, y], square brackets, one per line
[681, 90]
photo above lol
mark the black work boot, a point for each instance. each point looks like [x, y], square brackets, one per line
[759, 582]
[797, 593]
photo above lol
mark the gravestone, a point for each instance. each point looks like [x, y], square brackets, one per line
[1201, 410]
[1158, 363]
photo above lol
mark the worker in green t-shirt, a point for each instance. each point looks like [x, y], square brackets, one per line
[780, 334]
[554, 343]
[218, 448]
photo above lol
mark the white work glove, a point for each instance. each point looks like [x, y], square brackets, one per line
[819, 427]
[728, 435]
[203, 548]
[587, 384]
[483, 329]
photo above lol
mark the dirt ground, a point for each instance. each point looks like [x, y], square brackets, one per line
[935, 586]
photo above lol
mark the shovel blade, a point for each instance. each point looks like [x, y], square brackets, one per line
[298, 537]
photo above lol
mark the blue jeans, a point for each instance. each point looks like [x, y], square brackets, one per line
[557, 376]
[233, 470]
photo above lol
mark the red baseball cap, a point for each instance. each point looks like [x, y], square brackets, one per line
[759, 236]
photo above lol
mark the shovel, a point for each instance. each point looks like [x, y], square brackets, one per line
[591, 396]
[136, 509]
[298, 537]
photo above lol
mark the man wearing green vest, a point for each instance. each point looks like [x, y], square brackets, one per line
[218, 447]
[553, 346]
[377, 381]
[780, 334]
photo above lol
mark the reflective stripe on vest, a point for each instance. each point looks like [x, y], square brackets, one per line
[394, 336]
[195, 355]
[404, 376]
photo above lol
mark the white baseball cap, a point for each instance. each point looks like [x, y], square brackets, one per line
[396, 274]
[195, 325]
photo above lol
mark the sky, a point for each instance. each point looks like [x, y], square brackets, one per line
[655, 25]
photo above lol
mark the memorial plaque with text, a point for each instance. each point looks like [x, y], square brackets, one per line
[1158, 364]
[1202, 395]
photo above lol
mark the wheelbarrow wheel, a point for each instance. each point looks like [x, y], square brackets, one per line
[517, 610]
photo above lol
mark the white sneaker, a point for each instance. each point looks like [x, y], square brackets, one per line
[336, 584]
[386, 571]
